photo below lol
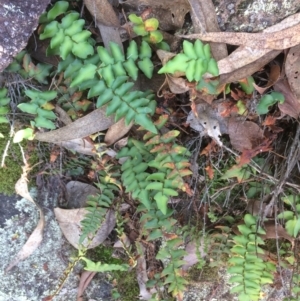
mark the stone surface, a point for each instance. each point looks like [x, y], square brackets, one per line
[254, 15]
[38, 276]
[18, 18]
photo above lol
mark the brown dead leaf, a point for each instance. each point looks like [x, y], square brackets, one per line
[291, 105]
[277, 40]
[177, 85]
[141, 273]
[247, 69]
[93, 122]
[254, 59]
[70, 223]
[85, 279]
[273, 78]
[270, 120]
[210, 172]
[103, 12]
[228, 108]
[117, 131]
[170, 13]
[120, 144]
[292, 67]
[205, 20]
[36, 236]
[244, 134]
[82, 146]
[254, 207]
[248, 154]
[275, 231]
[54, 154]
[210, 148]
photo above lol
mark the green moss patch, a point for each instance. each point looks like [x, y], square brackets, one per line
[11, 172]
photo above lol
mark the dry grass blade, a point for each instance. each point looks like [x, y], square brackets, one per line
[85, 279]
[283, 39]
[247, 70]
[94, 122]
[205, 20]
[117, 131]
[253, 58]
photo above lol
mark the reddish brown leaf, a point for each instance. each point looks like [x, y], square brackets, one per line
[187, 189]
[237, 95]
[169, 236]
[270, 120]
[210, 148]
[248, 154]
[170, 165]
[185, 172]
[228, 109]
[210, 171]
[54, 154]
[158, 148]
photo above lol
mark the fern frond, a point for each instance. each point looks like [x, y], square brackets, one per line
[132, 105]
[4, 106]
[250, 271]
[99, 205]
[172, 271]
[162, 154]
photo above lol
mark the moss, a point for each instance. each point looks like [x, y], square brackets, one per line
[104, 254]
[11, 172]
[207, 273]
[127, 285]
[126, 282]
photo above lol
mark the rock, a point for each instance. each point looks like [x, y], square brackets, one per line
[38, 276]
[19, 18]
[254, 15]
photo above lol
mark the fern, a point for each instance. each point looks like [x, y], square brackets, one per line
[98, 206]
[154, 171]
[194, 61]
[251, 271]
[4, 108]
[24, 65]
[292, 218]
[132, 105]
[39, 105]
[104, 267]
[168, 160]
